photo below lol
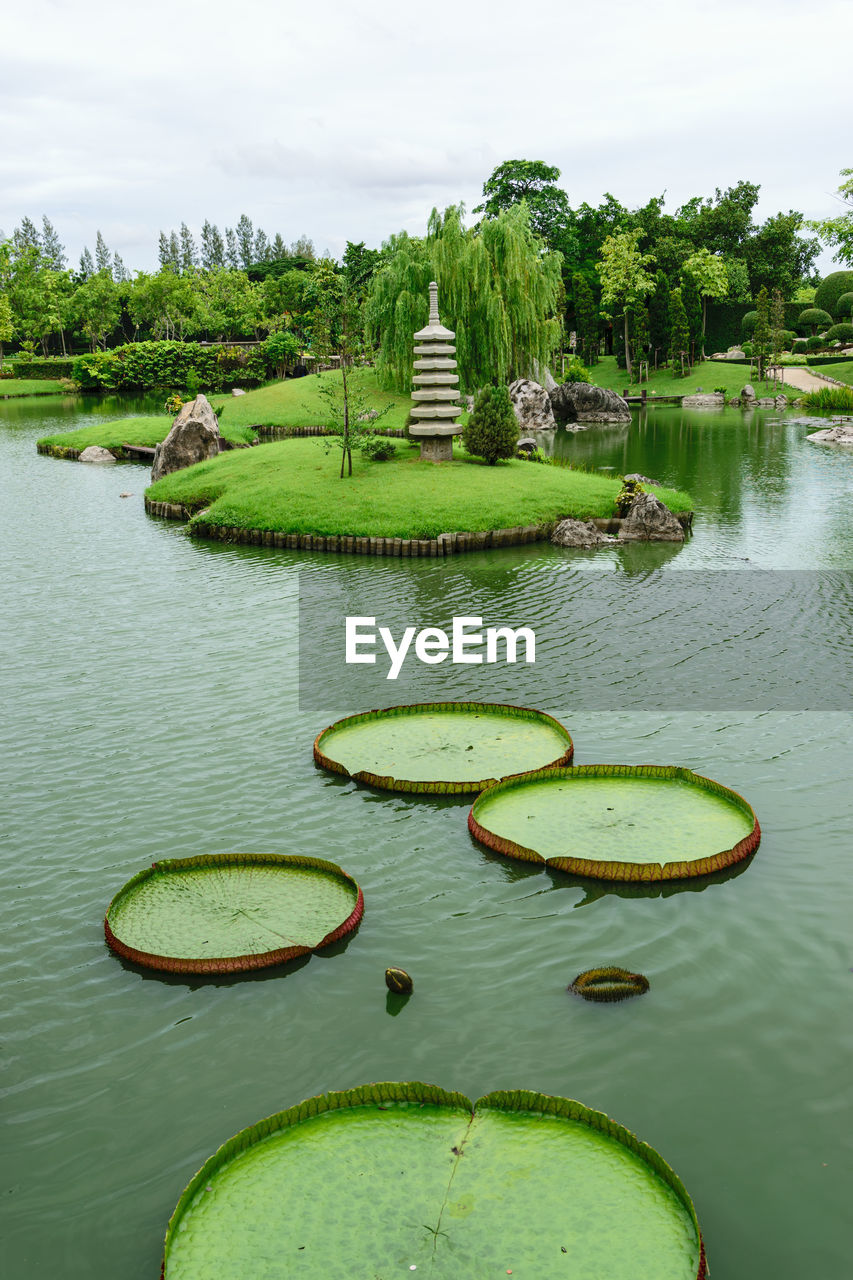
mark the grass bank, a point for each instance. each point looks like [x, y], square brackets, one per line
[112, 435]
[708, 376]
[842, 371]
[292, 486]
[32, 387]
[297, 402]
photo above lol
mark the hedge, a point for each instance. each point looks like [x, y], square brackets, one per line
[723, 324]
[41, 367]
[171, 365]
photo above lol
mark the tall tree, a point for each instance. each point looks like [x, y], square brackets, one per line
[245, 240]
[777, 330]
[261, 251]
[659, 323]
[536, 183]
[586, 319]
[189, 252]
[174, 251]
[679, 333]
[303, 248]
[53, 251]
[693, 309]
[639, 331]
[497, 290]
[711, 279]
[87, 264]
[624, 275]
[103, 257]
[7, 327]
[761, 334]
[838, 231]
[26, 236]
[212, 247]
[278, 249]
[119, 270]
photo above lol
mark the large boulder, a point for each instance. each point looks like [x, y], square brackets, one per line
[95, 453]
[581, 402]
[532, 406]
[842, 433]
[650, 520]
[194, 438]
[578, 533]
[748, 392]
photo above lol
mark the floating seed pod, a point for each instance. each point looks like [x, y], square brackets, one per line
[398, 981]
[609, 983]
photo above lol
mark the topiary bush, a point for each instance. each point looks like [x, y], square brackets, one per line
[814, 318]
[492, 429]
[834, 287]
[840, 332]
[747, 349]
[814, 344]
[800, 347]
[748, 323]
[844, 305]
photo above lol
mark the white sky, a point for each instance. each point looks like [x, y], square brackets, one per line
[351, 120]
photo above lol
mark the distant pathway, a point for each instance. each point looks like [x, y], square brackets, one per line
[800, 378]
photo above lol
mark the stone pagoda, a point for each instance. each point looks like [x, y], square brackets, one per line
[435, 412]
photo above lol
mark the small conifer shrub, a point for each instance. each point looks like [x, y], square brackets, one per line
[492, 430]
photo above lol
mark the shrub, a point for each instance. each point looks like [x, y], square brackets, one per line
[814, 318]
[747, 349]
[844, 305]
[786, 339]
[492, 430]
[840, 333]
[140, 365]
[836, 284]
[378, 448]
[801, 359]
[576, 371]
[800, 347]
[747, 324]
[814, 344]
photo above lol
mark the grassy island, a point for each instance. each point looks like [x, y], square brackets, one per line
[112, 435]
[709, 375]
[292, 487]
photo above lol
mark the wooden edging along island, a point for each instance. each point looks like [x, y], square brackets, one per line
[446, 544]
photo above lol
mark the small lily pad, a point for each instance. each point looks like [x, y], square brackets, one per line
[229, 912]
[449, 748]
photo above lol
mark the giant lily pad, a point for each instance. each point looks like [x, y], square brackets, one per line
[229, 912]
[393, 1178]
[617, 821]
[445, 747]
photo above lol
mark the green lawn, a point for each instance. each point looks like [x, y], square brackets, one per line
[31, 387]
[292, 486]
[708, 375]
[144, 431]
[843, 371]
[297, 402]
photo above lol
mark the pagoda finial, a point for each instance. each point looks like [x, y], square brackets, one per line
[433, 303]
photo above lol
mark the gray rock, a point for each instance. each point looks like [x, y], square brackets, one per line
[841, 434]
[194, 438]
[526, 446]
[369, 415]
[748, 392]
[578, 533]
[636, 478]
[781, 402]
[708, 400]
[532, 406]
[237, 391]
[95, 453]
[581, 402]
[650, 520]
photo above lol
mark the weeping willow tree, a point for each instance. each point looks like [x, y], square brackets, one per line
[497, 288]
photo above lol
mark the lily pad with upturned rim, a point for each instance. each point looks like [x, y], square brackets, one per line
[225, 913]
[389, 1178]
[607, 821]
[448, 748]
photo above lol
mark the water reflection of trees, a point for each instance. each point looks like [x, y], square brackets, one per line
[717, 455]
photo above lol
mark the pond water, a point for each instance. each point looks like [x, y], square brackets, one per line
[152, 709]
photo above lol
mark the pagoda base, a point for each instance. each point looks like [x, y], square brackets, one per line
[437, 448]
